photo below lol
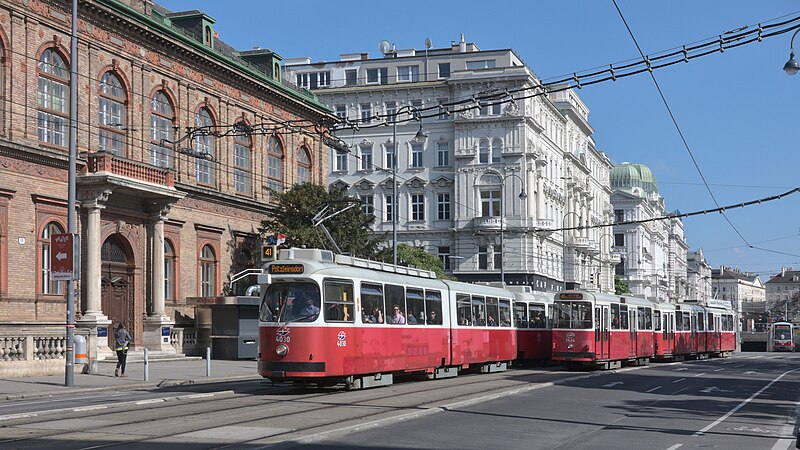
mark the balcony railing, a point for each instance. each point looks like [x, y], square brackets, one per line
[487, 223]
[107, 162]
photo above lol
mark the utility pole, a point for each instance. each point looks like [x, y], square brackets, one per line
[69, 369]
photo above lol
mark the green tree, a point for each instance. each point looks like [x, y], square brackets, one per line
[418, 257]
[351, 229]
[620, 287]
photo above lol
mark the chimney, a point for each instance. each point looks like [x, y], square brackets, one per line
[462, 46]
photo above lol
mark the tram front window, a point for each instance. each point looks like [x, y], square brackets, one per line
[573, 315]
[290, 302]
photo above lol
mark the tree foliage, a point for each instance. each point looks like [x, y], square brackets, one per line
[620, 287]
[418, 257]
[293, 213]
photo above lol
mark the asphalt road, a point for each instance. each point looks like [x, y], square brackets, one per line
[747, 401]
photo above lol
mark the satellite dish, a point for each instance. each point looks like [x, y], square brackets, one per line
[428, 42]
[385, 46]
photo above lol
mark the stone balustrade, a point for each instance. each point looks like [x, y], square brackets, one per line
[106, 162]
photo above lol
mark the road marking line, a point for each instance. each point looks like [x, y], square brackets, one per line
[679, 380]
[17, 416]
[700, 374]
[740, 405]
[675, 446]
[719, 370]
[152, 400]
[654, 389]
[90, 408]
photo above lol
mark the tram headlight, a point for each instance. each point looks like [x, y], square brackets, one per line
[282, 349]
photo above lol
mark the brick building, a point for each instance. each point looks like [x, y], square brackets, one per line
[180, 140]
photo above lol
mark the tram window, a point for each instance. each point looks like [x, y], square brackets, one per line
[339, 304]
[395, 296]
[701, 322]
[290, 302]
[656, 320]
[372, 303]
[537, 316]
[505, 312]
[615, 317]
[433, 304]
[623, 317]
[640, 319]
[492, 314]
[415, 307]
[678, 321]
[478, 311]
[520, 315]
[710, 321]
[464, 309]
[687, 323]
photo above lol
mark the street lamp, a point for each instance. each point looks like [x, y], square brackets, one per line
[420, 136]
[522, 196]
[792, 67]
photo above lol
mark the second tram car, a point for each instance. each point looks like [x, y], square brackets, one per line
[331, 319]
[780, 337]
[532, 311]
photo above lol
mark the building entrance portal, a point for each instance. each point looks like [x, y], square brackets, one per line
[117, 286]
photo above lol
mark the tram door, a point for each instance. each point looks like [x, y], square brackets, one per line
[605, 324]
[669, 332]
[601, 332]
[717, 331]
[632, 325]
[693, 334]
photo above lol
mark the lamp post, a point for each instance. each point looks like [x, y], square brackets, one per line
[792, 67]
[421, 135]
[522, 196]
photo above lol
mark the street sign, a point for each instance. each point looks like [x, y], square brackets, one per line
[64, 256]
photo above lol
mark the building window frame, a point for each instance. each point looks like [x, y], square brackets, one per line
[162, 125]
[275, 161]
[304, 165]
[443, 205]
[112, 114]
[418, 207]
[52, 98]
[242, 166]
[204, 143]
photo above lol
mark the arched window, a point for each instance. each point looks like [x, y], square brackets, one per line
[491, 195]
[52, 99]
[241, 159]
[111, 114]
[162, 121]
[303, 166]
[204, 145]
[208, 272]
[483, 152]
[49, 286]
[275, 165]
[170, 270]
[497, 150]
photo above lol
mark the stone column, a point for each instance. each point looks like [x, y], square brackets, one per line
[92, 320]
[157, 324]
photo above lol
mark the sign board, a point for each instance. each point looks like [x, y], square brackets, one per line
[268, 252]
[65, 256]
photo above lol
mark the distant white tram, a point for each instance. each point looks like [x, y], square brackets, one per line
[780, 337]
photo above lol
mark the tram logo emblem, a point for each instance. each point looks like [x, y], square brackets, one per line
[341, 339]
[570, 337]
[283, 336]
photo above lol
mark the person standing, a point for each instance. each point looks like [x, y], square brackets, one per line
[121, 339]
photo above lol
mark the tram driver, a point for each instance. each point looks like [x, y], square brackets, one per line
[310, 310]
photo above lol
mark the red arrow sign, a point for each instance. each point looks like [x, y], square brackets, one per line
[62, 256]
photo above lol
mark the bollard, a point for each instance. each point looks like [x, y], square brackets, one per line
[208, 361]
[146, 366]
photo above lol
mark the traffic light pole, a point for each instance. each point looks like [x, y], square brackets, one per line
[69, 368]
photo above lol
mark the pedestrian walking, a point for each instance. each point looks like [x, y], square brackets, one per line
[121, 339]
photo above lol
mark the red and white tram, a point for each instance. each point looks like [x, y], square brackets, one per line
[328, 319]
[779, 338]
[601, 330]
[531, 317]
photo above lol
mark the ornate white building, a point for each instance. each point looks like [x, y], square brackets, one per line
[698, 285]
[459, 187]
[653, 253]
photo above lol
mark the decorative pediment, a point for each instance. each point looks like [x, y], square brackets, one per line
[386, 183]
[416, 183]
[339, 185]
[443, 182]
[366, 185]
[366, 143]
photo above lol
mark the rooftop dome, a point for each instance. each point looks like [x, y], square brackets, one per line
[628, 175]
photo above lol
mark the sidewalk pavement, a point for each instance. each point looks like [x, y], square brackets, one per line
[162, 373]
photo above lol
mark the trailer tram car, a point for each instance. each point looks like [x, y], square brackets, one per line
[720, 328]
[328, 319]
[601, 330]
[664, 332]
[531, 317]
[779, 338]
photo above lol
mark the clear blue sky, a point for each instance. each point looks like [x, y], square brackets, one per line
[739, 112]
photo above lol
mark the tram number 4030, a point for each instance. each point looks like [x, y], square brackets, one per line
[283, 336]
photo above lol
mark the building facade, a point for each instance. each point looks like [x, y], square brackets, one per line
[737, 287]
[653, 251]
[782, 293]
[180, 141]
[494, 177]
[698, 285]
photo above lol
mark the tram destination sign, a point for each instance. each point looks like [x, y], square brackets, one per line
[65, 256]
[286, 269]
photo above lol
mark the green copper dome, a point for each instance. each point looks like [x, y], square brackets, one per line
[628, 175]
